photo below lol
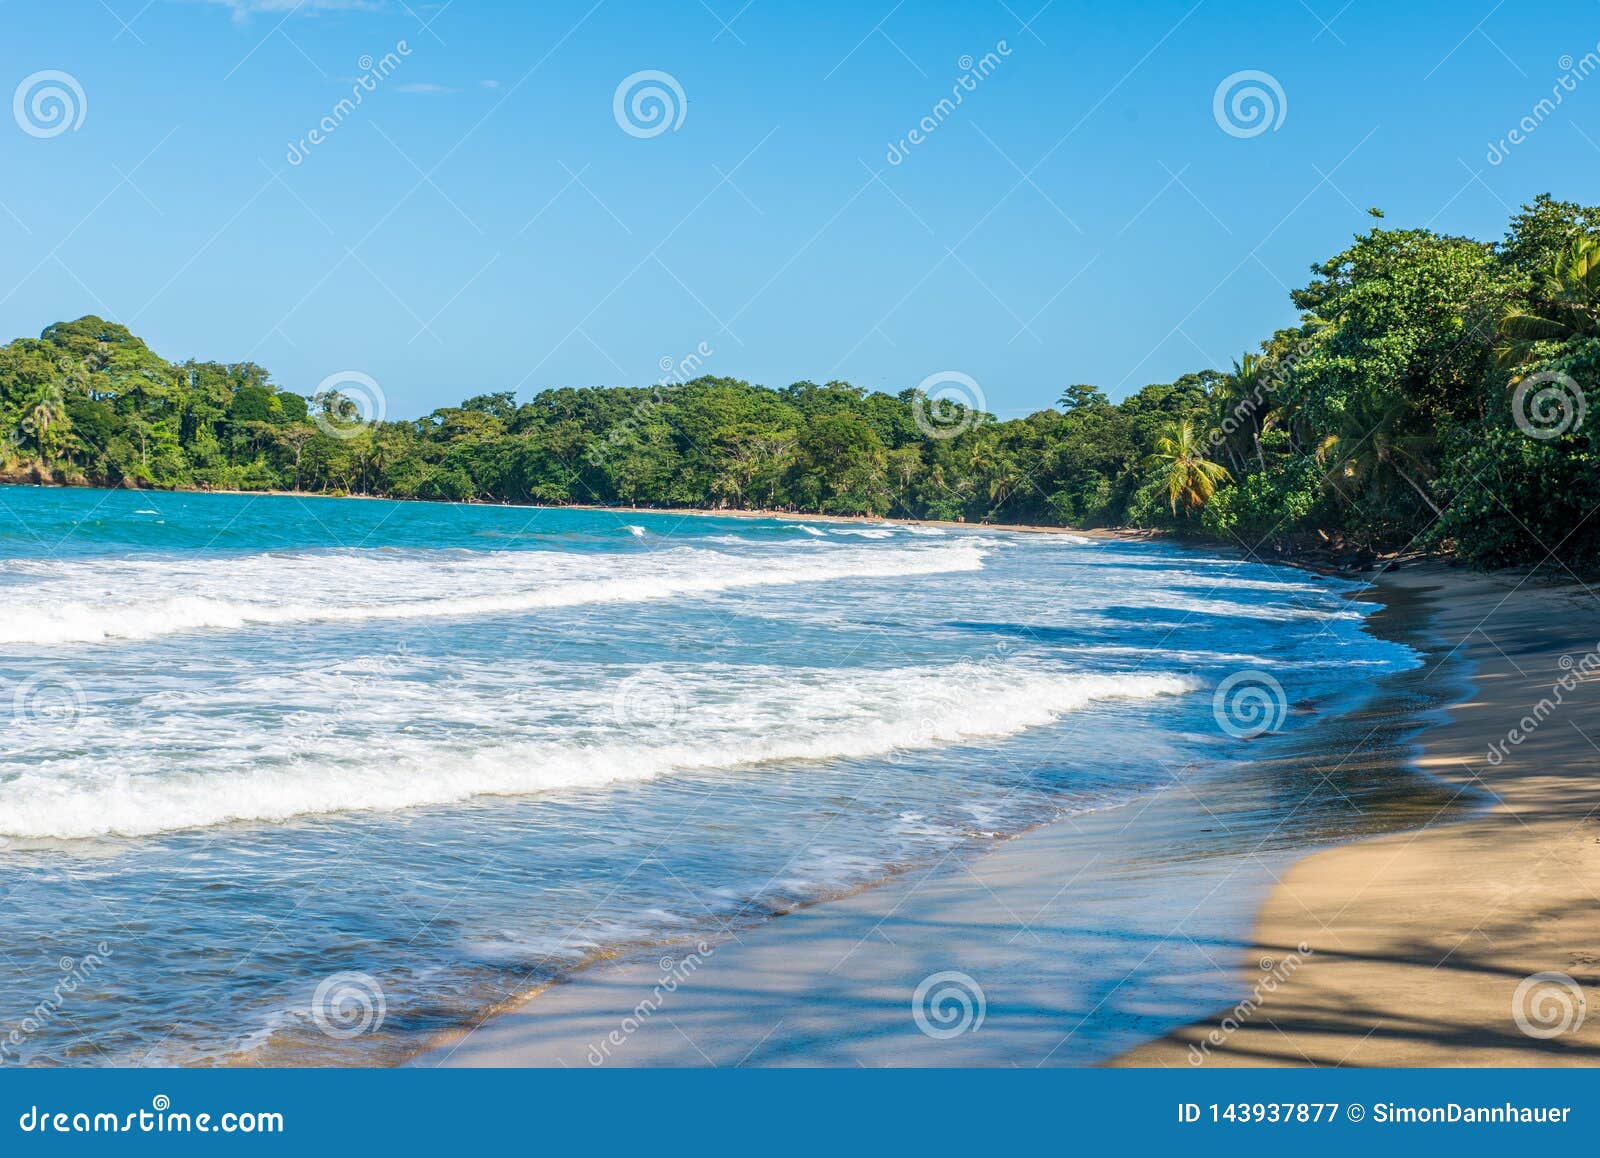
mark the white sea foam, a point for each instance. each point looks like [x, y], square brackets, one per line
[1170, 599]
[1169, 654]
[178, 770]
[92, 602]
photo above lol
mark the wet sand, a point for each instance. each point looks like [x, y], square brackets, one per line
[1468, 944]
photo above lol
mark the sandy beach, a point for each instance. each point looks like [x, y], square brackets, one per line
[1076, 942]
[1429, 945]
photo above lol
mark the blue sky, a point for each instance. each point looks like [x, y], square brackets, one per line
[483, 222]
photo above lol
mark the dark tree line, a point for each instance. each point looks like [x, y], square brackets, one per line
[1432, 394]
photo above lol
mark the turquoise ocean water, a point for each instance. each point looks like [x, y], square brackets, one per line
[258, 746]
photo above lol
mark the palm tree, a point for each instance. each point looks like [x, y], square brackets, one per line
[1567, 303]
[43, 418]
[1004, 482]
[1362, 450]
[1179, 463]
[1242, 401]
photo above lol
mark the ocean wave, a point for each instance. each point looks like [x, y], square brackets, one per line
[95, 602]
[775, 715]
[1174, 600]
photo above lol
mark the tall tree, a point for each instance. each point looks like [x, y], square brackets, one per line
[1179, 464]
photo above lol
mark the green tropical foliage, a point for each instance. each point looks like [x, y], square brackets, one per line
[1432, 393]
[1564, 303]
[1180, 467]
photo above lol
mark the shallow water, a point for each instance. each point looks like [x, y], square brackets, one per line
[272, 764]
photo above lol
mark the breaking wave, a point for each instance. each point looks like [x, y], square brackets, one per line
[95, 602]
[705, 721]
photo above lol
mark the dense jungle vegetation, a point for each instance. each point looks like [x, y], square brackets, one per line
[1432, 394]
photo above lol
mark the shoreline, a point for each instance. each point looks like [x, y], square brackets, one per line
[1463, 944]
[1317, 563]
[1419, 945]
[1086, 936]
